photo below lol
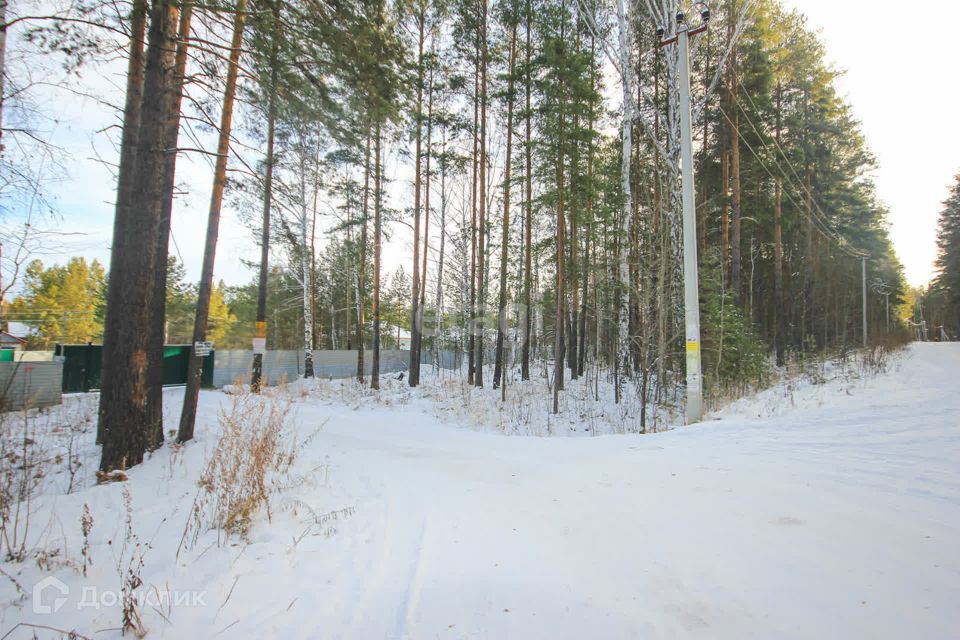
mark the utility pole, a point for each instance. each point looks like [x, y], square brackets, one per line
[691, 285]
[886, 298]
[863, 266]
[921, 329]
[884, 289]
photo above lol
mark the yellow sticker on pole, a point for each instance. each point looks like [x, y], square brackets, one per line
[693, 346]
[261, 330]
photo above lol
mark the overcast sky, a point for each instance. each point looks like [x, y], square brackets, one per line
[901, 78]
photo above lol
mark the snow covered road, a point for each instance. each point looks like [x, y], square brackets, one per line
[835, 521]
[836, 517]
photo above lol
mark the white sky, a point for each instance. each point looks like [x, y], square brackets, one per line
[901, 78]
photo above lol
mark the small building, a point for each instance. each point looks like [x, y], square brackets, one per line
[10, 344]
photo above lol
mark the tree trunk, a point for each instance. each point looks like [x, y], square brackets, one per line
[582, 351]
[377, 195]
[191, 395]
[127, 169]
[560, 237]
[306, 268]
[621, 349]
[482, 222]
[438, 313]
[413, 375]
[558, 342]
[158, 315]
[582, 360]
[573, 314]
[735, 239]
[123, 415]
[500, 370]
[426, 223]
[528, 215]
[361, 271]
[779, 308]
[314, 323]
[471, 327]
[725, 215]
[260, 329]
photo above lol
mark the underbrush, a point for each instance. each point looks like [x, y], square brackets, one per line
[49, 537]
[587, 406]
[41, 451]
[848, 363]
[806, 380]
[250, 463]
[44, 454]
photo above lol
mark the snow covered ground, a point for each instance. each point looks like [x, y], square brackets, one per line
[808, 511]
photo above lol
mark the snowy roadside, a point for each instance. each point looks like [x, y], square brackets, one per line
[835, 516]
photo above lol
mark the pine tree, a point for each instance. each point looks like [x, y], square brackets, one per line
[501, 366]
[124, 416]
[945, 290]
[269, 79]
[158, 313]
[191, 395]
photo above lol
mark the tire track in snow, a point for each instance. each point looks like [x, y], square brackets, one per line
[410, 602]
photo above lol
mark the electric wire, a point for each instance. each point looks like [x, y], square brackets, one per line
[785, 192]
[841, 242]
[816, 208]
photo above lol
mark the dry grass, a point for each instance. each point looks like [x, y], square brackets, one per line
[877, 358]
[24, 463]
[586, 406]
[86, 526]
[43, 452]
[249, 463]
[129, 567]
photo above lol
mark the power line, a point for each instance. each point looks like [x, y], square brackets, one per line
[767, 169]
[839, 240]
[839, 237]
[824, 218]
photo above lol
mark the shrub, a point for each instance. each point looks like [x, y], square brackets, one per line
[734, 356]
[23, 465]
[129, 568]
[248, 463]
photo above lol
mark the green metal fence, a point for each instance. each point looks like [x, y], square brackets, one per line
[82, 364]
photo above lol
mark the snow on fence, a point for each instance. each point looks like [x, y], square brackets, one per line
[30, 385]
[232, 364]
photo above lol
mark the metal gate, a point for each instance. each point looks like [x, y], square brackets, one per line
[82, 364]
